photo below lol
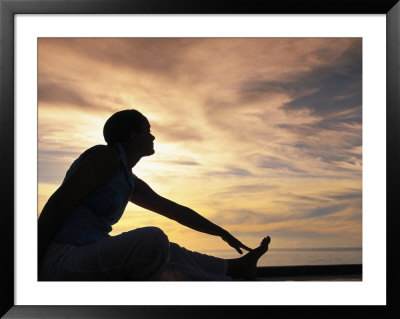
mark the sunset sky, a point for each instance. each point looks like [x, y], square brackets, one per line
[263, 136]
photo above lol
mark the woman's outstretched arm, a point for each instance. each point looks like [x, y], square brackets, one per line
[145, 197]
[94, 170]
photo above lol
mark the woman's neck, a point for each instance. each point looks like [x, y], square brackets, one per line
[132, 156]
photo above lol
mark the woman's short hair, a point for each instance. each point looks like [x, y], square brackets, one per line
[120, 124]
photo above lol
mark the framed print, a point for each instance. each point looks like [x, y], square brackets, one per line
[37, 36]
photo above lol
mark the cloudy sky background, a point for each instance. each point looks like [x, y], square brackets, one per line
[261, 136]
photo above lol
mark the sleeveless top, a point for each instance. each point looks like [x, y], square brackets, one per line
[91, 220]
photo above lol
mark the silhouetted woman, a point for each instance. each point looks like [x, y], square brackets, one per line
[74, 225]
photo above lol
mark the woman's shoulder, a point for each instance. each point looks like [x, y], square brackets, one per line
[101, 152]
[97, 154]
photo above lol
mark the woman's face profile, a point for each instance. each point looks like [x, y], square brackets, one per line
[145, 140]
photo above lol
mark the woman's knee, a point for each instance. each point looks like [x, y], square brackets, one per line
[155, 233]
[157, 238]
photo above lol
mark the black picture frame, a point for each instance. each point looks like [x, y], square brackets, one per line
[8, 9]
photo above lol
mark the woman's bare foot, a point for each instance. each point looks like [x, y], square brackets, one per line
[246, 267]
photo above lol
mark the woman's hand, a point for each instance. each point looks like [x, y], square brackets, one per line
[233, 242]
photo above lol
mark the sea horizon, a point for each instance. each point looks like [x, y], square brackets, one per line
[286, 256]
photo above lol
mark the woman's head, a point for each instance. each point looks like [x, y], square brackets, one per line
[118, 127]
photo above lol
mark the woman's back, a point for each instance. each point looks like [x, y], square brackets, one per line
[92, 218]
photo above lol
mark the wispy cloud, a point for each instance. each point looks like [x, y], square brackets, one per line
[323, 211]
[231, 171]
[346, 196]
[53, 92]
[273, 162]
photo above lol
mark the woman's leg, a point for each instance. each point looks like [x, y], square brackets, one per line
[188, 265]
[144, 254]
[134, 255]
